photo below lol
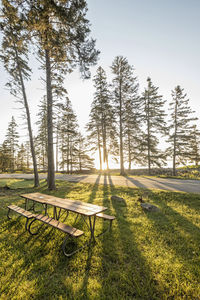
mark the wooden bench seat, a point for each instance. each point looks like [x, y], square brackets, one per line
[106, 217]
[25, 213]
[57, 224]
[21, 211]
[70, 231]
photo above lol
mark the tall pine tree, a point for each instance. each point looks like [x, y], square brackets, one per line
[14, 55]
[181, 122]
[195, 146]
[102, 118]
[62, 33]
[154, 123]
[124, 87]
[68, 137]
[41, 138]
[12, 139]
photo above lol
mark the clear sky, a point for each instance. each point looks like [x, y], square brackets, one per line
[160, 38]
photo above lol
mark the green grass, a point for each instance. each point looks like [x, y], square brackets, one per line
[146, 256]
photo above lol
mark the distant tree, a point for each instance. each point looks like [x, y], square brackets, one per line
[124, 89]
[60, 23]
[94, 136]
[41, 138]
[5, 157]
[195, 145]
[85, 162]
[132, 119]
[68, 136]
[14, 55]
[102, 118]
[11, 142]
[21, 156]
[181, 124]
[28, 154]
[154, 123]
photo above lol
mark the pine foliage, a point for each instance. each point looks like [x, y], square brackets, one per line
[154, 120]
[181, 125]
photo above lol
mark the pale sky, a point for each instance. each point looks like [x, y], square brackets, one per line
[160, 38]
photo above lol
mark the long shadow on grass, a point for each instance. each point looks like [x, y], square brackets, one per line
[135, 275]
[192, 201]
[94, 189]
[84, 287]
[109, 254]
[169, 225]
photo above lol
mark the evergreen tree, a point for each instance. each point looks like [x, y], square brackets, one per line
[95, 137]
[14, 55]
[124, 89]
[21, 155]
[5, 157]
[195, 145]
[102, 117]
[180, 127]
[68, 136]
[154, 124]
[85, 162]
[12, 138]
[28, 154]
[41, 139]
[132, 125]
[62, 31]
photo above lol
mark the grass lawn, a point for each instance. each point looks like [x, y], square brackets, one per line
[146, 256]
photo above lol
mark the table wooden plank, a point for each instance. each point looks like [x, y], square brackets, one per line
[71, 205]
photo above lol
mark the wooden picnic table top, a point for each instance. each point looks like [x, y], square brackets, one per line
[76, 206]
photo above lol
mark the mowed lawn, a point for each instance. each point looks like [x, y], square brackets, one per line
[146, 256]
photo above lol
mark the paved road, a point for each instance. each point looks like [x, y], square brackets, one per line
[190, 186]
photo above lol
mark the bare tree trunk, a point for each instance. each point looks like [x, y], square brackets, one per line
[68, 154]
[106, 151]
[36, 177]
[148, 139]
[51, 168]
[99, 148]
[122, 172]
[57, 141]
[175, 132]
[129, 150]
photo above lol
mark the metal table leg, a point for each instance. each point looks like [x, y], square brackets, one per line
[92, 226]
[26, 203]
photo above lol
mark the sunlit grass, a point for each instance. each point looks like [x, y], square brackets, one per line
[146, 256]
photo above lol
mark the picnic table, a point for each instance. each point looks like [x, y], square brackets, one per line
[86, 210]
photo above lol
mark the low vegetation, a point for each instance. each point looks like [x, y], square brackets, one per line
[146, 256]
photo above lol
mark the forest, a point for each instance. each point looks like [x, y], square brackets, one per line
[125, 126]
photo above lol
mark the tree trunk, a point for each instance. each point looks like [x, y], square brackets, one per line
[175, 132]
[148, 139]
[68, 154]
[122, 172]
[129, 151]
[99, 148]
[36, 177]
[51, 168]
[57, 141]
[105, 152]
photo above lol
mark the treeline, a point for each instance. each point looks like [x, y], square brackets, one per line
[132, 126]
[72, 154]
[123, 126]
